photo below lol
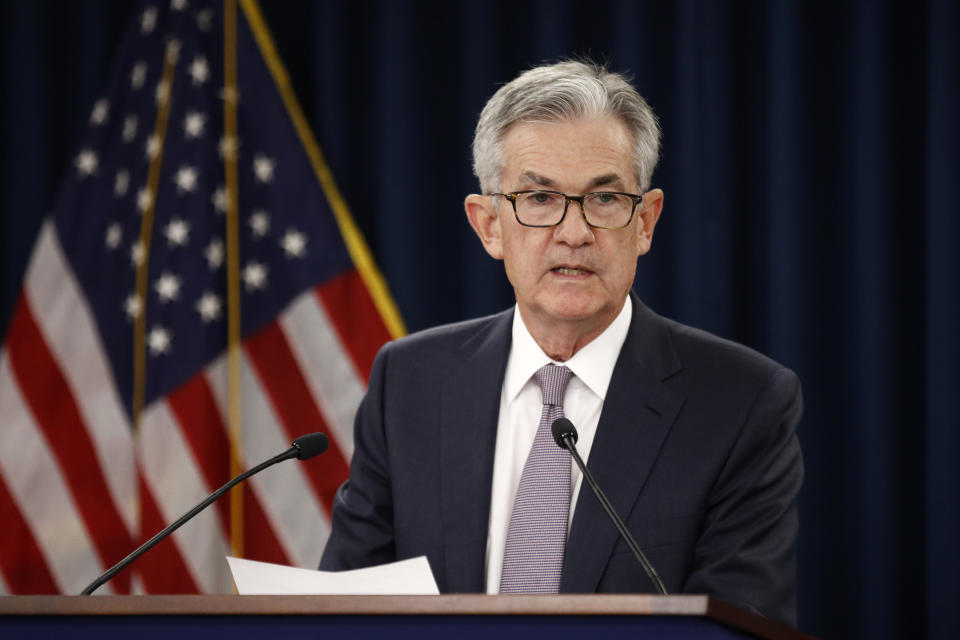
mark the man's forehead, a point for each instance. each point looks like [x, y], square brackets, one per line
[572, 155]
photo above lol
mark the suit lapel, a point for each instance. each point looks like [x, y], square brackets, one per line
[469, 409]
[637, 415]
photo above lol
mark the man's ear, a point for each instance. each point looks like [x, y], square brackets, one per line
[485, 221]
[648, 212]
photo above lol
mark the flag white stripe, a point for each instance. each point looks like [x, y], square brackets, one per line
[172, 473]
[4, 589]
[333, 381]
[33, 477]
[66, 323]
[289, 502]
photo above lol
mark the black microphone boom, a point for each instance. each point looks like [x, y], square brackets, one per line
[303, 448]
[565, 435]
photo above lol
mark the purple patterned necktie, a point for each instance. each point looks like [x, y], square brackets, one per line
[537, 535]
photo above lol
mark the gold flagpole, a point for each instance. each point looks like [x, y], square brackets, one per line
[165, 96]
[230, 98]
[356, 245]
[142, 255]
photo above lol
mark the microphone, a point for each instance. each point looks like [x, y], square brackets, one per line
[565, 435]
[303, 448]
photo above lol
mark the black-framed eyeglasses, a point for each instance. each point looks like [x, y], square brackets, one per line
[601, 209]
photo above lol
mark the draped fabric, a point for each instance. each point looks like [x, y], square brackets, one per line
[811, 154]
[183, 220]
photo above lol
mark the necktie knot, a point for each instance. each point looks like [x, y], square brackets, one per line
[553, 383]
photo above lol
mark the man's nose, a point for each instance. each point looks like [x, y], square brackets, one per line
[573, 229]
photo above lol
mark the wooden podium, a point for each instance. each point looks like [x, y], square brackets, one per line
[462, 617]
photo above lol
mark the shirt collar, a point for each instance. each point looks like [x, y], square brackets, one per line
[592, 364]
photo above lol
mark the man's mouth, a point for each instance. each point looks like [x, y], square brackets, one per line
[570, 271]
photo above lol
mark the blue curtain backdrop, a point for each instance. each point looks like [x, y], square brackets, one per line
[811, 166]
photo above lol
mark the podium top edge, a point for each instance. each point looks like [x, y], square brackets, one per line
[442, 605]
[456, 604]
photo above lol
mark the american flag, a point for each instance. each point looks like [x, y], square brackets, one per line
[101, 447]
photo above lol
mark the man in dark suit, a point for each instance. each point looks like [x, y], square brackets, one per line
[692, 436]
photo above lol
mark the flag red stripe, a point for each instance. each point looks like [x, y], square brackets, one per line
[259, 539]
[356, 318]
[46, 392]
[280, 376]
[24, 568]
[196, 410]
[193, 406]
[161, 569]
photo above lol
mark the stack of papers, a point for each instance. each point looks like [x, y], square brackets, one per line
[406, 577]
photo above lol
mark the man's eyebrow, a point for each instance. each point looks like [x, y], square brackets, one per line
[600, 181]
[537, 179]
[606, 180]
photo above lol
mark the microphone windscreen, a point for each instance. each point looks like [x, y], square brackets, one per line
[562, 429]
[310, 445]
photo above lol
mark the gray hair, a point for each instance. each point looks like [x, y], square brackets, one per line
[566, 90]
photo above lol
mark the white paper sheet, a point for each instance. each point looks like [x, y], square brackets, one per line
[406, 577]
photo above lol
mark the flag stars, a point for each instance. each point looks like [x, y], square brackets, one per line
[209, 307]
[153, 146]
[162, 93]
[144, 199]
[177, 232]
[129, 128]
[231, 95]
[86, 163]
[199, 71]
[193, 124]
[220, 199]
[263, 168]
[137, 254]
[138, 75]
[204, 19]
[228, 147]
[167, 287]
[254, 276]
[132, 306]
[186, 179]
[214, 254]
[148, 20]
[173, 49]
[121, 183]
[259, 223]
[294, 243]
[100, 113]
[114, 236]
[159, 341]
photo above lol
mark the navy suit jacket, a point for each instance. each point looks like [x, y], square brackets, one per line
[695, 448]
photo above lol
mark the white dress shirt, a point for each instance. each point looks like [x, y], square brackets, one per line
[520, 406]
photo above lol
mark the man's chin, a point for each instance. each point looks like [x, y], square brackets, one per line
[574, 311]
